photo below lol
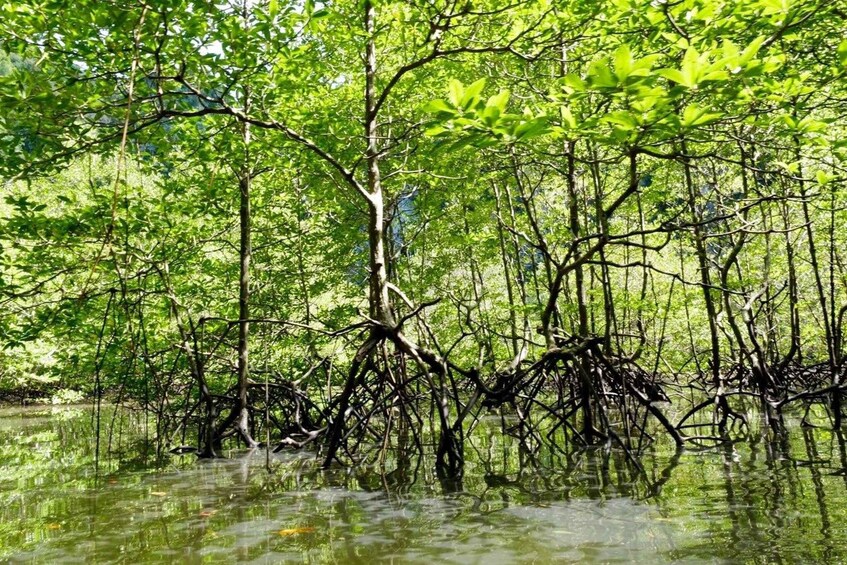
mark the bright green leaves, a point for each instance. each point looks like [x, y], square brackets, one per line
[600, 75]
[774, 7]
[624, 125]
[499, 100]
[842, 53]
[462, 100]
[526, 126]
[809, 128]
[440, 107]
[466, 98]
[694, 116]
[619, 71]
[639, 103]
[455, 92]
[724, 71]
[738, 61]
[467, 102]
[696, 68]
[465, 119]
[626, 67]
[573, 83]
[823, 178]
[273, 8]
[804, 126]
[313, 14]
[569, 122]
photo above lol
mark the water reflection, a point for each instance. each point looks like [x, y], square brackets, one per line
[779, 496]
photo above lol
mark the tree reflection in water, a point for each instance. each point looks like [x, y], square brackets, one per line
[777, 496]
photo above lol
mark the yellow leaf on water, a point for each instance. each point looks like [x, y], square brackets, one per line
[295, 531]
[207, 513]
[156, 493]
[54, 526]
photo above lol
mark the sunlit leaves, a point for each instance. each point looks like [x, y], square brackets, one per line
[470, 96]
[696, 68]
[695, 115]
[613, 79]
[824, 178]
[625, 66]
[774, 7]
[568, 120]
[464, 118]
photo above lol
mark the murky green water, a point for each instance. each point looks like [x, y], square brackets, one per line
[756, 501]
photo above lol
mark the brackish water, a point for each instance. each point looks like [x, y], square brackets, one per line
[756, 501]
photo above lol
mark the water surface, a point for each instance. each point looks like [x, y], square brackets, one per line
[759, 501]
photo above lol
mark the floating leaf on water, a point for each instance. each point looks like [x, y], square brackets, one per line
[157, 493]
[54, 526]
[295, 531]
[207, 513]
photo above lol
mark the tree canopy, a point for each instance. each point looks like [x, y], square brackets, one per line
[300, 219]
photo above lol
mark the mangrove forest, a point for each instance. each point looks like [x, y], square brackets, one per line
[382, 238]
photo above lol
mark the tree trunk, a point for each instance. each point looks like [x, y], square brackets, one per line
[822, 299]
[585, 369]
[240, 415]
[706, 284]
[245, 255]
[380, 304]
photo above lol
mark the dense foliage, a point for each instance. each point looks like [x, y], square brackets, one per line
[339, 211]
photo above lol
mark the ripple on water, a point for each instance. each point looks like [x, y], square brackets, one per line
[717, 505]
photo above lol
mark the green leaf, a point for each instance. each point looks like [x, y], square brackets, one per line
[791, 168]
[471, 95]
[645, 103]
[531, 128]
[567, 118]
[499, 100]
[435, 131]
[455, 92]
[673, 75]
[751, 50]
[691, 65]
[822, 177]
[622, 120]
[642, 66]
[789, 121]
[574, 82]
[695, 115]
[490, 115]
[811, 125]
[623, 62]
[437, 107]
[599, 75]
[842, 53]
